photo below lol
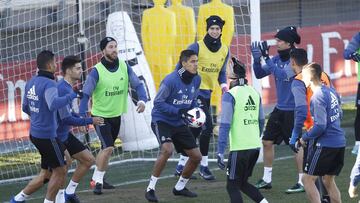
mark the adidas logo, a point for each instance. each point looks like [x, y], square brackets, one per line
[31, 94]
[180, 92]
[250, 105]
[334, 100]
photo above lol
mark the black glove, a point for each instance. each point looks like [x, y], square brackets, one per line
[185, 115]
[79, 93]
[220, 161]
[355, 57]
[264, 48]
[295, 147]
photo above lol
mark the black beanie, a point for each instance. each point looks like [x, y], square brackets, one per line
[238, 70]
[289, 34]
[214, 20]
[105, 41]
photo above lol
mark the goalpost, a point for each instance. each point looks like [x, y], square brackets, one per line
[75, 27]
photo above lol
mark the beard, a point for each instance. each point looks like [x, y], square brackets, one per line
[113, 56]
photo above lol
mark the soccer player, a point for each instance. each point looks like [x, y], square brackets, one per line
[281, 121]
[302, 96]
[242, 119]
[72, 70]
[177, 94]
[213, 57]
[41, 103]
[107, 84]
[325, 142]
[352, 52]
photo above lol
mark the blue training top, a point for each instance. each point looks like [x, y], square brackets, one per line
[41, 103]
[172, 96]
[66, 116]
[284, 76]
[326, 111]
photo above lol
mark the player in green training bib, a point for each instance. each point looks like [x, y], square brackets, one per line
[242, 120]
[108, 84]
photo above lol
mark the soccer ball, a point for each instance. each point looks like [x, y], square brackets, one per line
[198, 118]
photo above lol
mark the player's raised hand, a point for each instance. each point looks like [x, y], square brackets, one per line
[98, 121]
[140, 106]
[265, 49]
[255, 50]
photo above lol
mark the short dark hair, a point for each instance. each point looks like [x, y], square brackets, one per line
[44, 58]
[185, 55]
[299, 55]
[69, 62]
[315, 70]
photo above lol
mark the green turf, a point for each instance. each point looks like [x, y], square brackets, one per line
[284, 176]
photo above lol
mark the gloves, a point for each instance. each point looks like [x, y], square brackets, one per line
[185, 116]
[79, 93]
[220, 161]
[295, 147]
[355, 57]
[264, 48]
[255, 50]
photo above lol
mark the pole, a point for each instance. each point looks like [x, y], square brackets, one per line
[255, 35]
[83, 42]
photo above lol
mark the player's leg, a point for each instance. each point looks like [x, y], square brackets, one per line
[107, 136]
[52, 155]
[34, 185]
[60, 196]
[162, 132]
[184, 141]
[204, 140]
[310, 188]
[272, 133]
[56, 162]
[357, 122]
[246, 161]
[354, 177]
[330, 185]
[332, 160]
[85, 159]
[184, 157]
[287, 127]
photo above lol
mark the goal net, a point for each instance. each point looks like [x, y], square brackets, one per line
[146, 40]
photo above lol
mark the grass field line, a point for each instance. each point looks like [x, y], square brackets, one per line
[162, 177]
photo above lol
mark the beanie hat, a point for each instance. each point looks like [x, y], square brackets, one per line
[238, 70]
[289, 34]
[214, 20]
[105, 41]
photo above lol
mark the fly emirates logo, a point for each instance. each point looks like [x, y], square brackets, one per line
[184, 100]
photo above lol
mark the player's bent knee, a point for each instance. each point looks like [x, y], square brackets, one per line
[166, 149]
[195, 156]
[59, 171]
[327, 180]
[86, 158]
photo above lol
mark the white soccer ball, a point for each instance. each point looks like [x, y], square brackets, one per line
[198, 118]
